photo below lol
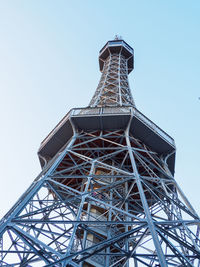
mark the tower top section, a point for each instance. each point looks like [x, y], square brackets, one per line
[116, 62]
[117, 46]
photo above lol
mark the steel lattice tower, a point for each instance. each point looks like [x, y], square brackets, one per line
[106, 195]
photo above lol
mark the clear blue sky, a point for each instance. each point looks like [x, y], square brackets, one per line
[49, 64]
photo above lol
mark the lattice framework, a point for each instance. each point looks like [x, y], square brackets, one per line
[105, 199]
[113, 88]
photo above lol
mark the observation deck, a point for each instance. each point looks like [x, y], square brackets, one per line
[117, 47]
[108, 118]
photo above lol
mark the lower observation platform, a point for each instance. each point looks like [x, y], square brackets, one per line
[108, 118]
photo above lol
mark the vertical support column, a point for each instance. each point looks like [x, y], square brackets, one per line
[126, 227]
[79, 214]
[109, 219]
[119, 79]
[99, 90]
[150, 222]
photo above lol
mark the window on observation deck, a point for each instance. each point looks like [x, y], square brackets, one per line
[128, 47]
[115, 43]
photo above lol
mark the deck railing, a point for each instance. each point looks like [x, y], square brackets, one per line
[105, 111]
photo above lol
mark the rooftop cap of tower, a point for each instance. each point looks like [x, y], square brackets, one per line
[117, 47]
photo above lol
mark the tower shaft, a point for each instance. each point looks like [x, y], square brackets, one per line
[113, 88]
[106, 195]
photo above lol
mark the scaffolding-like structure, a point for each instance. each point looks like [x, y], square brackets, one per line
[106, 195]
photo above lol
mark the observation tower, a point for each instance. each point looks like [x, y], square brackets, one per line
[106, 195]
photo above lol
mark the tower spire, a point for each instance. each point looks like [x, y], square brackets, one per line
[116, 62]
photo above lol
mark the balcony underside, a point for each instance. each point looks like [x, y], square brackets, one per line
[88, 119]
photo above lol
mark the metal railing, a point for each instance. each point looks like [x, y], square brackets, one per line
[153, 126]
[79, 112]
[122, 111]
[63, 120]
[101, 110]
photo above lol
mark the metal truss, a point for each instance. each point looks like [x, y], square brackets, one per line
[105, 200]
[113, 88]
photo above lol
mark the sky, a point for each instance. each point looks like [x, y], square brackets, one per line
[49, 64]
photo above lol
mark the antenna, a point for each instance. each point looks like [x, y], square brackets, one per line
[118, 37]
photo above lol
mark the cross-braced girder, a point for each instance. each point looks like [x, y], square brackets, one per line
[107, 197]
[113, 88]
[90, 209]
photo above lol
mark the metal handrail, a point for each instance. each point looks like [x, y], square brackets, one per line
[89, 111]
[65, 118]
[123, 110]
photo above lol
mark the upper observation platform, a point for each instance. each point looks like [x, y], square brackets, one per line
[117, 47]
